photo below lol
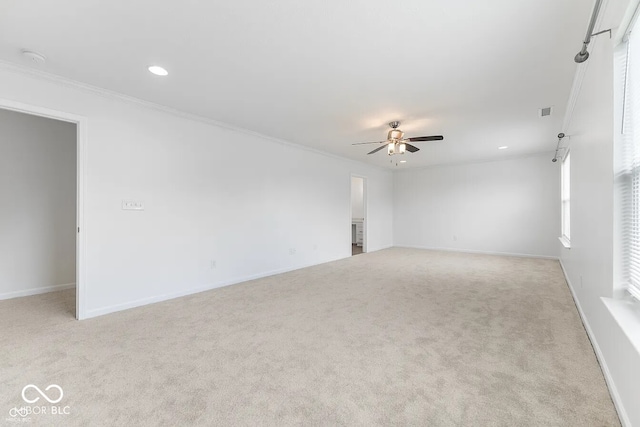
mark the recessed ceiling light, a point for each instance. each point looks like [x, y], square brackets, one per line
[35, 57]
[403, 161]
[158, 71]
[504, 147]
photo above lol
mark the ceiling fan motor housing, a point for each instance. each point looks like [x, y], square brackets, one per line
[395, 134]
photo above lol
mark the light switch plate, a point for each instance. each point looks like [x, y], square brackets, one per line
[132, 205]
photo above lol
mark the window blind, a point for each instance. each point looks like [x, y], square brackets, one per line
[630, 172]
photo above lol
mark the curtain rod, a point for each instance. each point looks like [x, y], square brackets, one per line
[558, 148]
[583, 55]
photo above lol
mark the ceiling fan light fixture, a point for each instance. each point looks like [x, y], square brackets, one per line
[402, 147]
[391, 149]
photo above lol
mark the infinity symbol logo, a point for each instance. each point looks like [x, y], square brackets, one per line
[42, 393]
[15, 412]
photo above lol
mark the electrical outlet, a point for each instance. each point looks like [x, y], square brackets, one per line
[455, 238]
[132, 205]
[292, 251]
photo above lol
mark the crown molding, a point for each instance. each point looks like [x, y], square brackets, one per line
[113, 95]
[576, 87]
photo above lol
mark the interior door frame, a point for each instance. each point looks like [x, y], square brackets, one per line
[81, 145]
[365, 239]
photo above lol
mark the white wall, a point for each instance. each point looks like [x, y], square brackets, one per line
[589, 262]
[357, 197]
[509, 206]
[210, 193]
[38, 194]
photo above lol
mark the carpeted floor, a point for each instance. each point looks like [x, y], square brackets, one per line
[395, 337]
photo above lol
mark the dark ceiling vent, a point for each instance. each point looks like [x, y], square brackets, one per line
[544, 112]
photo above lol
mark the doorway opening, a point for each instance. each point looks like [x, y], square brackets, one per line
[40, 256]
[358, 215]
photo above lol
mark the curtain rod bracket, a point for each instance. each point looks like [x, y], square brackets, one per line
[583, 55]
[602, 32]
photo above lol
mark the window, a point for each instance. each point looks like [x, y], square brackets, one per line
[565, 194]
[629, 169]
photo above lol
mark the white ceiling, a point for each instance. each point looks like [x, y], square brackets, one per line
[326, 73]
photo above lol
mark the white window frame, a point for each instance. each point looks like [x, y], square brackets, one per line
[627, 169]
[565, 200]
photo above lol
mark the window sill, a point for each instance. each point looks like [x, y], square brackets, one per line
[565, 242]
[626, 312]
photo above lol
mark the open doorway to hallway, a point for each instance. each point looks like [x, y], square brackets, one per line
[38, 223]
[358, 215]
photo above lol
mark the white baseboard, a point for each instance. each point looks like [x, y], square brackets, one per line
[165, 297]
[613, 391]
[36, 291]
[381, 248]
[472, 251]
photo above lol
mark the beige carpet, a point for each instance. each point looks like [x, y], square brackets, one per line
[396, 337]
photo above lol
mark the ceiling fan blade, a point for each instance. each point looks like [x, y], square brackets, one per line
[426, 138]
[378, 149]
[362, 143]
[411, 148]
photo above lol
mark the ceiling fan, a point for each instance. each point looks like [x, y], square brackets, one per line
[396, 143]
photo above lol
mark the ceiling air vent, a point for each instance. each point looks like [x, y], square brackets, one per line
[544, 112]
